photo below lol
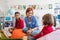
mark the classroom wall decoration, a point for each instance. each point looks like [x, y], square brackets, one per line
[8, 18]
[50, 6]
[11, 11]
[23, 7]
[20, 8]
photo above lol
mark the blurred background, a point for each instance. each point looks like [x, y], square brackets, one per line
[41, 7]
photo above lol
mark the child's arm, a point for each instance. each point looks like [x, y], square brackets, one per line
[5, 34]
[44, 32]
[21, 24]
[10, 30]
[38, 35]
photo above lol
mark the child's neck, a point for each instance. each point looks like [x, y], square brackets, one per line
[45, 25]
[17, 18]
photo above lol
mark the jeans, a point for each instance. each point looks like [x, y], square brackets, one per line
[30, 38]
[33, 32]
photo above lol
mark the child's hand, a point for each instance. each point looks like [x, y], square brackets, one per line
[10, 30]
[24, 38]
[29, 31]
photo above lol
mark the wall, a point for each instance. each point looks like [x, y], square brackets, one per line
[6, 4]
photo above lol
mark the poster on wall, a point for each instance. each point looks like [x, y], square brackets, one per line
[23, 7]
[20, 8]
[11, 11]
[8, 21]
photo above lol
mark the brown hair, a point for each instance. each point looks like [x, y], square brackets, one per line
[29, 9]
[47, 20]
[17, 13]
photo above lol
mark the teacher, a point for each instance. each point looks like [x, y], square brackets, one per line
[31, 23]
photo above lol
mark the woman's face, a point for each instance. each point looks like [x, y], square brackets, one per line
[29, 14]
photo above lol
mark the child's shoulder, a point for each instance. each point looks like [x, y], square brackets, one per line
[21, 19]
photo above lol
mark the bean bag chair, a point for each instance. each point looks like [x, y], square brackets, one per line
[17, 33]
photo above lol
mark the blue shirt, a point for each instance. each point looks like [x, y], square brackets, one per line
[32, 24]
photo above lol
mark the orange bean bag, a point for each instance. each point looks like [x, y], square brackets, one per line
[17, 33]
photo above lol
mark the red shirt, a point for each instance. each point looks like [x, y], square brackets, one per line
[19, 23]
[45, 30]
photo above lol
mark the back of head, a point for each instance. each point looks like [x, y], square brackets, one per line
[49, 19]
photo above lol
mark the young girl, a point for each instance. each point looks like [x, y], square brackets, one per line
[48, 23]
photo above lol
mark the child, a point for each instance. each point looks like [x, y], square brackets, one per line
[48, 23]
[19, 25]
